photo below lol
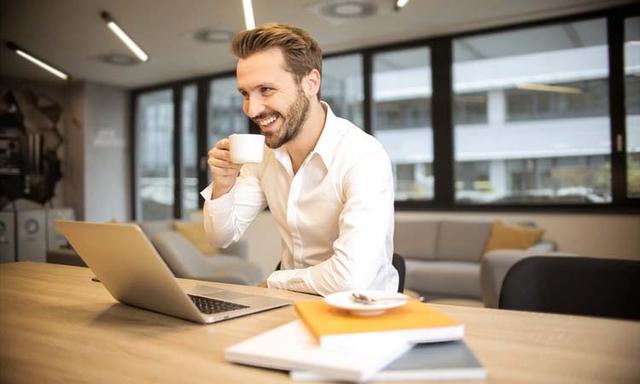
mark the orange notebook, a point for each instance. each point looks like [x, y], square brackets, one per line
[414, 322]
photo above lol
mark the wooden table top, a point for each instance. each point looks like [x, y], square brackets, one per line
[58, 326]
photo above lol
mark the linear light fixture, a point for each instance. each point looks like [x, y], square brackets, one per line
[400, 4]
[549, 88]
[122, 35]
[24, 54]
[249, 21]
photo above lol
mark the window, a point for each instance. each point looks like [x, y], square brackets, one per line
[189, 136]
[225, 110]
[632, 103]
[530, 123]
[470, 108]
[154, 168]
[587, 98]
[545, 133]
[402, 118]
[342, 87]
[225, 116]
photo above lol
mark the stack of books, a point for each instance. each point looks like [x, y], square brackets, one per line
[412, 342]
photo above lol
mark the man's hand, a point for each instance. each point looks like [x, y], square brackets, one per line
[223, 172]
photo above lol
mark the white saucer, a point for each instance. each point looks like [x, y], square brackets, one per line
[343, 300]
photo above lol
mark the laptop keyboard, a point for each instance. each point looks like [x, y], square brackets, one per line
[208, 306]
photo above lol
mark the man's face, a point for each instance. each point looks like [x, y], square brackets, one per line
[272, 97]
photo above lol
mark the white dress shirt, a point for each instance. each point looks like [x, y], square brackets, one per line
[335, 215]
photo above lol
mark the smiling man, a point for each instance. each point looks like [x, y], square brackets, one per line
[328, 185]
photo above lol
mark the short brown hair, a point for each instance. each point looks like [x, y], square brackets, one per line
[301, 52]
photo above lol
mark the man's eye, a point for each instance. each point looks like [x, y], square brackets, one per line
[266, 90]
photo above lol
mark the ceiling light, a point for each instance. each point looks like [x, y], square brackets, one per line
[207, 35]
[22, 53]
[549, 88]
[249, 21]
[115, 28]
[118, 59]
[349, 9]
[400, 4]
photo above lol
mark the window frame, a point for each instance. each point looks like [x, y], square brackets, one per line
[442, 118]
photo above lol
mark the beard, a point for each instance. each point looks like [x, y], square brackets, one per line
[293, 120]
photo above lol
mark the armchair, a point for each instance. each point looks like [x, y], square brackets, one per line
[186, 261]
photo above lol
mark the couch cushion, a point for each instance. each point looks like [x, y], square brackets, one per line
[512, 236]
[416, 239]
[444, 278]
[151, 227]
[195, 233]
[462, 240]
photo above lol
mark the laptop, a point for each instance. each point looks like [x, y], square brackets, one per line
[130, 268]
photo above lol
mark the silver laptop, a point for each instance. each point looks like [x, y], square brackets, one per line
[127, 264]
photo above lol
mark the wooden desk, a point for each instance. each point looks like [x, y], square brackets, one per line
[56, 326]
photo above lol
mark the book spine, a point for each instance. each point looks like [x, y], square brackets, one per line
[414, 336]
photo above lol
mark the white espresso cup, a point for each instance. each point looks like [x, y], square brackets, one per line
[246, 148]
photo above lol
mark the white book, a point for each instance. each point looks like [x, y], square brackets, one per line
[430, 361]
[292, 347]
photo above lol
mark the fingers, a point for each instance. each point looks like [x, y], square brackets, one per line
[223, 171]
[220, 153]
[222, 168]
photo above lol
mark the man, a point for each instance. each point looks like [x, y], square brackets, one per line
[328, 185]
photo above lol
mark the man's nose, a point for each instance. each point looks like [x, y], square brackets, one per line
[253, 107]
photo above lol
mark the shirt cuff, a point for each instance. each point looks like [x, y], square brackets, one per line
[222, 204]
[293, 280]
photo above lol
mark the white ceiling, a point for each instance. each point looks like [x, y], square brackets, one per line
[71, 35]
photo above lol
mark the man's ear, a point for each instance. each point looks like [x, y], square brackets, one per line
[311, 83]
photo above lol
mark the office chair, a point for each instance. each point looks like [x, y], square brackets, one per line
[574, 285]
[398, 263]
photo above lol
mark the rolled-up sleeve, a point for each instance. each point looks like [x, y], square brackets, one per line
[227, 217]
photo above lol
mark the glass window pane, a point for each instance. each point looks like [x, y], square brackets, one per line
[632, 103]
[189, 150]
[402, 118]
[154, 130]
[531, 116]
[225, 115]
[342, 87]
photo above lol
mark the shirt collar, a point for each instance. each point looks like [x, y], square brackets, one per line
[327, 142]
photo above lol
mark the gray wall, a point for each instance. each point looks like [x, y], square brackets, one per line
[107, 154]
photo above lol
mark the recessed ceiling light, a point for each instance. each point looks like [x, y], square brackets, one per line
[118, 59]
[349, 9]
[209, 36]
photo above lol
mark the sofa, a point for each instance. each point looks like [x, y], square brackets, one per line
[186, 260]
[444, 257]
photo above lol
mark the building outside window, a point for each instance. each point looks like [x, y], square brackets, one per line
[632, 103]
[225, 116]
[154, 149]
[189, 136]
[342, 87]
[545, 137]
[402, 118]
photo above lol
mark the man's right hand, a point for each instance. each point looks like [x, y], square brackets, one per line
[223, 172]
